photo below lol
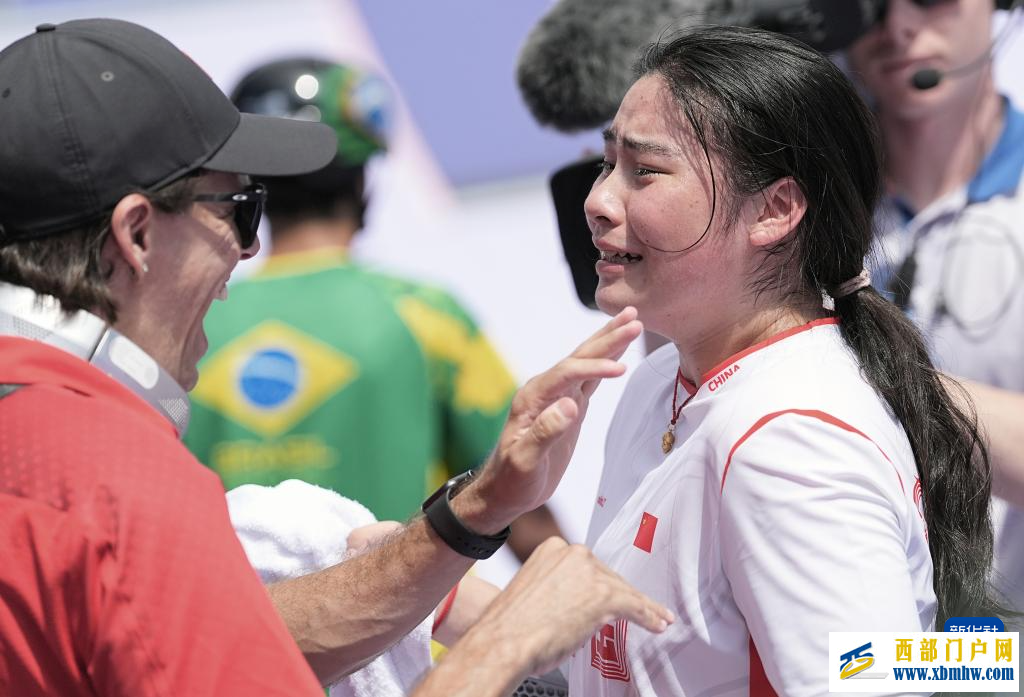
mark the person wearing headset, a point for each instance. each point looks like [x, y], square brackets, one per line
[125, 206]
[952, 243]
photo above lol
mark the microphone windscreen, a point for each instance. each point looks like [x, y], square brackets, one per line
[577, 62]
[926, 78]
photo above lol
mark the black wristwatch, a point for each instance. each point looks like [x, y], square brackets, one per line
[449, 528]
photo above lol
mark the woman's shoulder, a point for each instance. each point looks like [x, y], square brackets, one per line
[818, 382]
[813, 367]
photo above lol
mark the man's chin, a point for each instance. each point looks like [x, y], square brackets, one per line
[908, 104]
[188, 373]
[187, 377]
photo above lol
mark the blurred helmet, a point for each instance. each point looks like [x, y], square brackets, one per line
[356, 104]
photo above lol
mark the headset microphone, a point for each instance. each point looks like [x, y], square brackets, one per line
[927, 78]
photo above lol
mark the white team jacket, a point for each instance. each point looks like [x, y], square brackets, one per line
[789, 507]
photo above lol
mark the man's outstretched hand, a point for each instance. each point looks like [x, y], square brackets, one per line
[560, 597]
[543, 424]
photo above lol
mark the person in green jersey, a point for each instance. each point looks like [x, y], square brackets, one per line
[322, 370]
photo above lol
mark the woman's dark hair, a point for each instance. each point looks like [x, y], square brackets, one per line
[69, 265]
[770, 107]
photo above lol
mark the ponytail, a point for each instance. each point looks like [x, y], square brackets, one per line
[952, 462]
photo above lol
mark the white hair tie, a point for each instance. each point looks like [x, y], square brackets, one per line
[861, 280]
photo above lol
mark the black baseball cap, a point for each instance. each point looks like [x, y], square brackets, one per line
[91, 110]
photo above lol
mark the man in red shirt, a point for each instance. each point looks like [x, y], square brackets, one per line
[124, 207]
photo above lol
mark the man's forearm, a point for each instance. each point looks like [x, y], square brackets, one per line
[347, 614]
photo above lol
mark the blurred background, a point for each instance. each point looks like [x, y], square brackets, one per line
[461, 199]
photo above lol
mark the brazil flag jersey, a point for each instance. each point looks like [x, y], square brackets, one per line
[372, 386]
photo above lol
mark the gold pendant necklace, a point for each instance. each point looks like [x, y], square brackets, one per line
[668, 440]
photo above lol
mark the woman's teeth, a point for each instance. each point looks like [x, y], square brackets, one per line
[620, 257]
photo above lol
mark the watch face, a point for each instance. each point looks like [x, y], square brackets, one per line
[460, 482]
[454, 485]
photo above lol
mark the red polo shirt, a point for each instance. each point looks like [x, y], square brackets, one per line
[120, 573]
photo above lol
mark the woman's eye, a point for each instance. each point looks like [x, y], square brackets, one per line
[605, 167]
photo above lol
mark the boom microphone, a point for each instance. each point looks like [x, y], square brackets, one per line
[577, 62]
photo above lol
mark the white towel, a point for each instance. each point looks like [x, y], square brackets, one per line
[296, 528]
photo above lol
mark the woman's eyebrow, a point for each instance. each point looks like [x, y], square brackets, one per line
[641, 146]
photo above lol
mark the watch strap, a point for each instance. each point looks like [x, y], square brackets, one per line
[449, 528]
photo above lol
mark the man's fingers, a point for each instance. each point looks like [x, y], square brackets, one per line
[596, 359]
[613, 337]
[619, 599]
[564, 379]
[643, 611]
[614, 343]
[571, 373]
[549, 425]
[588, 387]
[624, 317]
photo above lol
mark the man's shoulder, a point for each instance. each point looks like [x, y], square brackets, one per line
[80, 439]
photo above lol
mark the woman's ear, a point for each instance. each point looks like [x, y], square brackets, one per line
[778, 210]
[131, 235]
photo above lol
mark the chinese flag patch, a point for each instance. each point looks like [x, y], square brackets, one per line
[645, 533]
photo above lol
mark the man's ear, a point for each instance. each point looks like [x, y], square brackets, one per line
[131, 234]
[778, 209]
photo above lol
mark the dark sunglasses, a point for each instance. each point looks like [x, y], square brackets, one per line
[248, 209]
